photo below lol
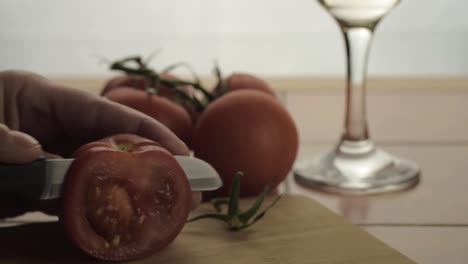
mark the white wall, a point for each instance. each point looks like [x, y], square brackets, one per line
[263, 36]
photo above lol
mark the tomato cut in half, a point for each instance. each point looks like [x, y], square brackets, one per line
[124, 197]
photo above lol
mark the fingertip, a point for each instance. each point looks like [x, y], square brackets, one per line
[153, 130]
[30, 154]
[27, 148]
[24, 140]
[19, 148]
[179, 148]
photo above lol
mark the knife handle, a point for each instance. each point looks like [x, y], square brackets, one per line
[24, 182]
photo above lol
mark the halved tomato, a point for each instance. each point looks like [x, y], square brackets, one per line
[124, 197]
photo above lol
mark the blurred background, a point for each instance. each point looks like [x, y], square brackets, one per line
[267, 37]
[418, 63]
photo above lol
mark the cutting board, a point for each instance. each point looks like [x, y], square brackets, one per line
[296, 230]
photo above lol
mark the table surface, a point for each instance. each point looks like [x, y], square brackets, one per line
[423, 119]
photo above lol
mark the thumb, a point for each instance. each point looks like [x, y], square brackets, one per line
[17, 147]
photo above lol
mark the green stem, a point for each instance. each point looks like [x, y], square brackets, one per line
[185, 65]
[235, 219]
[221, 86]
[141, 71]
[233, 207]
[218, 74]
[197, 86]
[219, 202]
[198, 105]
[214, 216]
[148, 73]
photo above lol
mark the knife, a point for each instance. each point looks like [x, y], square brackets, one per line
[43, 178]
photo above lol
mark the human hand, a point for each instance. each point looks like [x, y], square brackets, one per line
[38, 116]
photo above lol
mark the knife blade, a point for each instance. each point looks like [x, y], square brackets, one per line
[43, 178]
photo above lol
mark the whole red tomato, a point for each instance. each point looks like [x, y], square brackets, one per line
[247, 131]
[170, 114]
[242, 81]
[124, 197]
[142, 83]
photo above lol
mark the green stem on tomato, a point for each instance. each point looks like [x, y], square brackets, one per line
[195, 85]
[261, 214]
[154, 85]
[221, 87]
[172, 67]
[156, 80]
[198, 105]
[235, 219]
[219, 202]
[218, 74]
[140, 71]
[233, 208]
[137, 59]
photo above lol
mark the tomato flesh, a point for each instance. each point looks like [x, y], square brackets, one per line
[123, 205]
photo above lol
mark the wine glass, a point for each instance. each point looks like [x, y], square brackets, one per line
[356, 165]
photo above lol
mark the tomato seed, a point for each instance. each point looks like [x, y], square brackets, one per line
[99, 211]
[116, 240]
[113, 224]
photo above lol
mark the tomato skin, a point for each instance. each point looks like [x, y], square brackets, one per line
[141, 83]
[170, 114]
[244, 81]
[247, 131]
[124, 198]
[125, 81]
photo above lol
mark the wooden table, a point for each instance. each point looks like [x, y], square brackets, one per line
[423, 119]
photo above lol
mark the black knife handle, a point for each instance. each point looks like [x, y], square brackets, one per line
[23, 182]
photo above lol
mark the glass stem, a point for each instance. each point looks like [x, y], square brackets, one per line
[358, 42]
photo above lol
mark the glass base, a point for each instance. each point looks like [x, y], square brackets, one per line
[357, 167]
